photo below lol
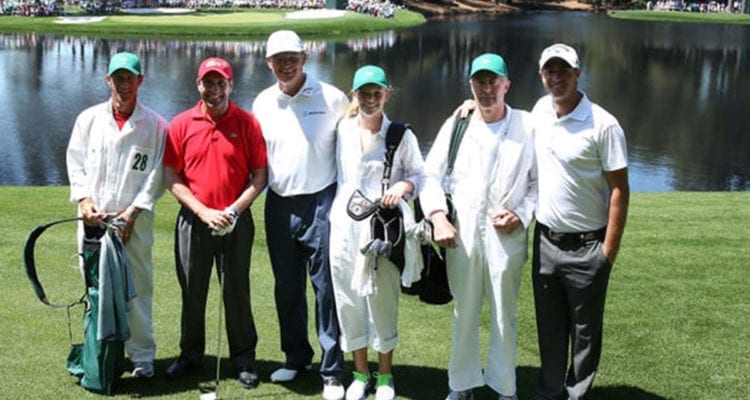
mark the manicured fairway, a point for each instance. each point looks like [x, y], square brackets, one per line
[681, 16]
[677, 317]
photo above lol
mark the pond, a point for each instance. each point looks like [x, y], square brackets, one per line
[679, 90]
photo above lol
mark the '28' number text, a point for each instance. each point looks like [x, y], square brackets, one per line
[140, 162]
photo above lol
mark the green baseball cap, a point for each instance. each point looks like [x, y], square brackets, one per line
[125, 60]
[489, 62]
[369, 74]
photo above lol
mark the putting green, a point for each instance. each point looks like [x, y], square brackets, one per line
[213, 23]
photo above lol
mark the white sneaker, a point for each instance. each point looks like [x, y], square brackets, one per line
[287, 374]
[460, 395]
[384, 389]
[143, 369]
[357, 390]
[332, 389]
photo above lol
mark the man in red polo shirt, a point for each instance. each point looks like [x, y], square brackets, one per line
[215, 165]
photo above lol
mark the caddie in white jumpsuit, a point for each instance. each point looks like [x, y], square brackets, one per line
[493, 188]
[114, 168]
[367, 286]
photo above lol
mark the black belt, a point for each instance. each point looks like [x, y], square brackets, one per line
[573, 237]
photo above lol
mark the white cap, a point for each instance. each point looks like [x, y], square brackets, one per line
[561, 51]
[283, 41]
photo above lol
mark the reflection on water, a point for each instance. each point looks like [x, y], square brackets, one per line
[26, 41]
[678, 90]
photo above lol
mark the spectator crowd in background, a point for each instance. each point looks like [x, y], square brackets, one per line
[30, 8]
[704, 7]
[377, 8]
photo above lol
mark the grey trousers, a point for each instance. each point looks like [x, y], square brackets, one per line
[570, 277]
[196, 251]
[297, 233]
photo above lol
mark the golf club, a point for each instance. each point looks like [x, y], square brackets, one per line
[220, 272]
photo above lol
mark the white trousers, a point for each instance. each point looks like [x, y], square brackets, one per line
[141, 347]
[367, 320]
[494, 272]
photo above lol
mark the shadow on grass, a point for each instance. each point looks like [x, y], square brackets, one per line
[622, 392]
[412, 381]
[203, 379]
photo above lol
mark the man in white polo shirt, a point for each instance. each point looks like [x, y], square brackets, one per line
[581, 212]
[298, 115]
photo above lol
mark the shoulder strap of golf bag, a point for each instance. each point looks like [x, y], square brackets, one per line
[392, 139]
[459, 128]
[28, 258]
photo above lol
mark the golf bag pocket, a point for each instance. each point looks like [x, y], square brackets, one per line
[360, 207]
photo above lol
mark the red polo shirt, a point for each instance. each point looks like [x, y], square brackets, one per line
[215, 158]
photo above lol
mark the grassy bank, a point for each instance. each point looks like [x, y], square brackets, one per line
[680, 16]
[206, 24]
[678, 311]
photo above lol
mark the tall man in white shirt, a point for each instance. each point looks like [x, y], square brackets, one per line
[114, 168]
[298, 115]
[583, 203]
[493, 188]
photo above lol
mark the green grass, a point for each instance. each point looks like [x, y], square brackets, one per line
[206, 24]
[680, 16]
[677, 314]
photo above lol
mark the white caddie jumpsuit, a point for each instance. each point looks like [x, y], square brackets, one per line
[118, 168]
[368, 319]
[494, 170]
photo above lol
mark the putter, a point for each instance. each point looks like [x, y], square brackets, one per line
[215, 394]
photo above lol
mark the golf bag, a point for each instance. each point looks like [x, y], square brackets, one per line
[100, 360]
[433, 288]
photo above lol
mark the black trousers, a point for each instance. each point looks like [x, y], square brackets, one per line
[570, 275]
[196, 252]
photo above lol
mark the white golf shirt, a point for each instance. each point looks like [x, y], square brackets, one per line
[572, 153]
[300, 133]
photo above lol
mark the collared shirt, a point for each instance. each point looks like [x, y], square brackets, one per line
[300, 134]
[215, 158]
[573, 152]
[116, 167]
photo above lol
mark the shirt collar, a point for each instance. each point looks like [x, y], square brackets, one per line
[310, 88]
[384, 125]
[197, 113]
[137, 111]
[582, 110]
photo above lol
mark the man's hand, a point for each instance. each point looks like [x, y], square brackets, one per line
[443, 232]
[465, 108]
[128, 218]
[90, 213]
[215, 219]
[610, 252]
[233, 215]
[506, 221]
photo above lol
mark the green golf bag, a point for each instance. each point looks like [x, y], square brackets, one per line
[100, 360]
[99, 363]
